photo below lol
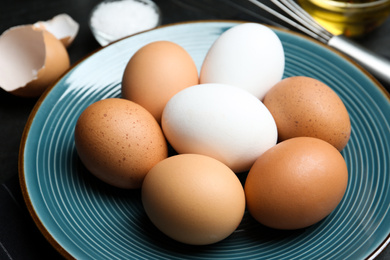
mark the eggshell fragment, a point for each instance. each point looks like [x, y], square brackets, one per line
[220, 121]
[30, 60]
[304, 106]
[249, 56]
[62, 26]
[296, 183]
[193, 199]
[155, 73]
[119, 142]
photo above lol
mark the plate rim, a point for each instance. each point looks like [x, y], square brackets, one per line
[21, 170]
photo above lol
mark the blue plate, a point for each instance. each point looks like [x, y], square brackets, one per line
[85, 218]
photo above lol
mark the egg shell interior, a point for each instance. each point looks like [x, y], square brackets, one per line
[32, 59]
[23, 54]
[62, 26]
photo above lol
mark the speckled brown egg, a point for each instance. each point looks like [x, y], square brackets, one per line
[119, 141]
[303, 106]
[296, 183]
[155, 73]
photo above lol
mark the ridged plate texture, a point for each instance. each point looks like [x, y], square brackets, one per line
[87, 219]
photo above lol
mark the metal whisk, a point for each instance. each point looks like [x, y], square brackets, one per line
[301, 20]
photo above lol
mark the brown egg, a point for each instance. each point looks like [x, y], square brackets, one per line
[31, 59]
[303, 106]
[119, 141]
[155, 73]
[296, 183]
[194, 199]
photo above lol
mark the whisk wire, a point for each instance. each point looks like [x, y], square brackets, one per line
[305, 23]
[374, 63]
[282, 17]
[307, 19]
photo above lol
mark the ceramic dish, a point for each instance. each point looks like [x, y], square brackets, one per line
[106, 28]
[84, 218]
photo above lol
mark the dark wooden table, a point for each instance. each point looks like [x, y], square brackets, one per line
[19, 237]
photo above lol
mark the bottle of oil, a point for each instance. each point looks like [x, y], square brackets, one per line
[352, 18]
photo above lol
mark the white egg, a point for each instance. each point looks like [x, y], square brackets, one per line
[221, 121]
[249, 56]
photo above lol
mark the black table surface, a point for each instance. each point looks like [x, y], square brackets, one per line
[19, 236]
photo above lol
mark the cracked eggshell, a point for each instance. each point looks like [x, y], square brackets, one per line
[30, 60]
[62, 26]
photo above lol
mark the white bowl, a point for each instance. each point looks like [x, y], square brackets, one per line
[112, 20]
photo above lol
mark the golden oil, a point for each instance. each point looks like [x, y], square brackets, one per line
[349, 17]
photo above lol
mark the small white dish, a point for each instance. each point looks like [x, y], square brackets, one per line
[112, 20]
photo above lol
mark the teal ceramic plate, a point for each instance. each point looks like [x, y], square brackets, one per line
[84, 218]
